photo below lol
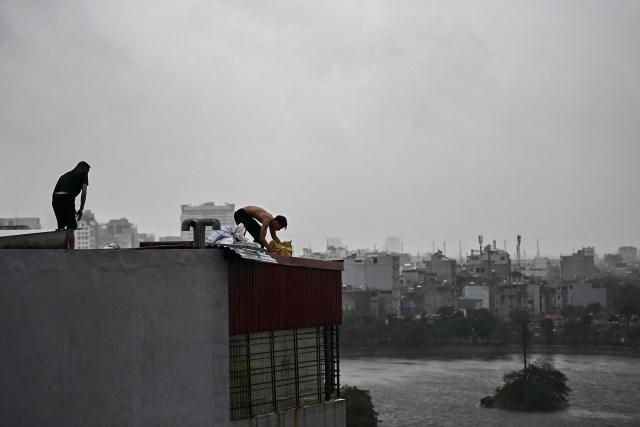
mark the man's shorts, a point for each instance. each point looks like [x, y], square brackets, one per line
[65, 210]
[250, 224]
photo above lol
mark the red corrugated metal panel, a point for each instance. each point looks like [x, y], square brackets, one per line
[268, 297]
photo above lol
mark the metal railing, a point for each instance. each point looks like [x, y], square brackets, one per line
[277, 370]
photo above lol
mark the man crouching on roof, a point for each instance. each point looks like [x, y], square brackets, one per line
[256, 221]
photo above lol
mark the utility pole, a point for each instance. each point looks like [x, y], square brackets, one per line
[492, 290]
[524, 343]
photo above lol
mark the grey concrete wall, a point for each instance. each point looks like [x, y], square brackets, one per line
[113, 338]
[327, 414]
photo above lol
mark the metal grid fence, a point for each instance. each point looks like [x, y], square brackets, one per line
[277, 370]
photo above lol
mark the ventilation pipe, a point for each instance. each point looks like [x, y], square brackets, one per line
[199, 225]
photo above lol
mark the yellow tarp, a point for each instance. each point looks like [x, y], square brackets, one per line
[282, 248]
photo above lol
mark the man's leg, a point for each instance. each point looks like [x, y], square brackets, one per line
[57, 209]
[66, 210]
[250, 224]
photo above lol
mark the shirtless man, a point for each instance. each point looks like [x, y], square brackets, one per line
[256, 221]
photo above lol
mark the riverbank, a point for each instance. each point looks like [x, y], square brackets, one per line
[484, 351]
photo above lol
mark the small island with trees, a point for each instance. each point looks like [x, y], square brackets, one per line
[537, 387]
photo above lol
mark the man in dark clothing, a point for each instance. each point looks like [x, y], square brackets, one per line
[67, 188]
[257, 220]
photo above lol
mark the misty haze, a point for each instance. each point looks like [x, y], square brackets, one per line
[225, 213]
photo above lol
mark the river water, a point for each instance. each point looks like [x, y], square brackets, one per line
[447, 392]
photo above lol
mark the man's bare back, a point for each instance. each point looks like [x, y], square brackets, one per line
[258, 213]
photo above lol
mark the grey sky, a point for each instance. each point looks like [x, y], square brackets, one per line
[357, 120]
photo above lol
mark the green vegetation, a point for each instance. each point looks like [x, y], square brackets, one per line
[592, 325]
[360, 411]
[540, 387]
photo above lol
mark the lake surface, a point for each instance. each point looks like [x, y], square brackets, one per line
[447, 392]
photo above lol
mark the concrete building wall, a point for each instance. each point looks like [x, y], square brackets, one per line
[577, 266]
[493, 265]
[444, 268]
[584, 293]
[534, 300]
[380, 272]
[109, 337]
[438, 296]
[479, 292]
[354, 273]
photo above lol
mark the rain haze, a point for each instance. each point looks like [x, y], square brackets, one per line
[356, 120]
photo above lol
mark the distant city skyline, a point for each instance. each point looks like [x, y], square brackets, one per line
[549, 247]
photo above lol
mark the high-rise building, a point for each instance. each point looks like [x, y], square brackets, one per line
[87, 233]
[223, 213]
[629, 254]
[393, 244]
[118, 231]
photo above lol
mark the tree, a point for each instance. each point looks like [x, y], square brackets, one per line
[571, 311]
[518, 318]
[540, 387]
[483, 322]
[626, 301]
[547, 329]
[361, 330]
[594, 309]
[451, 323]
[360, 410]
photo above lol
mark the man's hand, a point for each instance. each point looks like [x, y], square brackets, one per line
[79, 215]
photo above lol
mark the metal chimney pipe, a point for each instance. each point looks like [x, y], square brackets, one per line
[199, 225]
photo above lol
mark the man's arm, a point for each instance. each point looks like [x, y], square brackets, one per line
[263, 230]
[83, 198]
[272, 230]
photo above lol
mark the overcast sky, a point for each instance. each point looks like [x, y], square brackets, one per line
[431, 120]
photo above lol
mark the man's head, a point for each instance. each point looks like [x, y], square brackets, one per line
[83, 166]
[280, 222]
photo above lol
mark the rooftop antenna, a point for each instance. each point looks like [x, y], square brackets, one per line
[518, 242]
